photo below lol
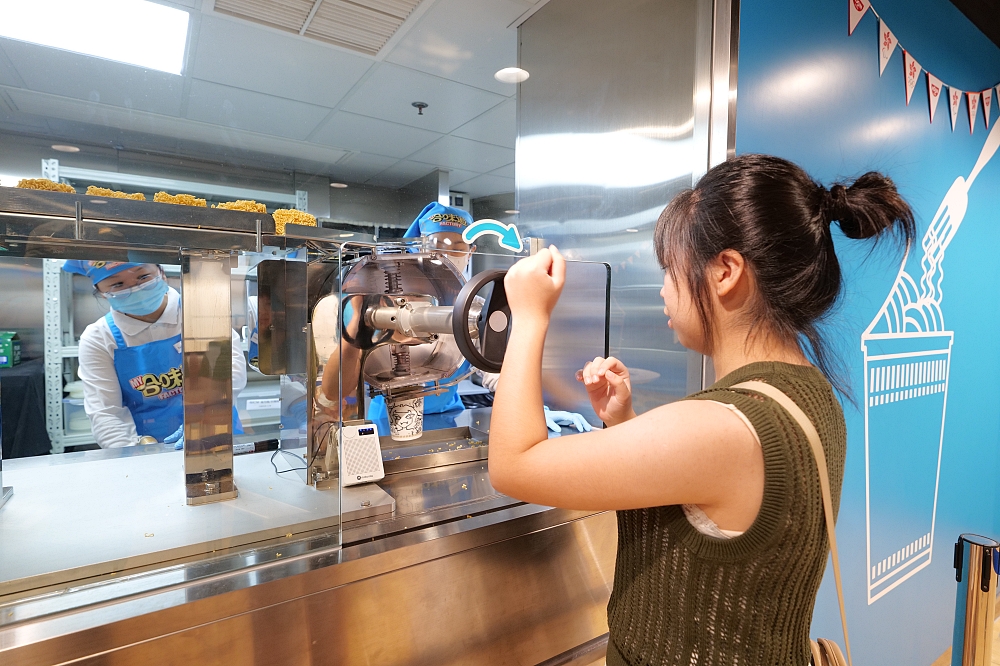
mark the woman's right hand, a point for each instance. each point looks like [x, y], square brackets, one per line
[609, 389]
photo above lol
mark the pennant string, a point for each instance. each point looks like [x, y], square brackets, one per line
[899, 44]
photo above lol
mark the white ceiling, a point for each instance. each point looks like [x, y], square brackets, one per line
[254, 94]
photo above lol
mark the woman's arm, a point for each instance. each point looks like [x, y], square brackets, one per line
[689, 452]
[111, 422]
[239, 365]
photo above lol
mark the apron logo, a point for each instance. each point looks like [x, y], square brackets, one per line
[151, 385]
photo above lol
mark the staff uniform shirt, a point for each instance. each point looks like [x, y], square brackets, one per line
[102, 395]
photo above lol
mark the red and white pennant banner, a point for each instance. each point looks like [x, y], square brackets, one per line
[911, 70]
[987, 103]
[934, 87]
[887, 44]
[972, 103]
[955, 98]
[857, 10]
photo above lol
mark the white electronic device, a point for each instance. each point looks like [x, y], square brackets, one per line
[362, 454]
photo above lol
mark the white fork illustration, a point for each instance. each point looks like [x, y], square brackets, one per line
[912, 308]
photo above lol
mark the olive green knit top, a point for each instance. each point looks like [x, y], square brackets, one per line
[681, 597]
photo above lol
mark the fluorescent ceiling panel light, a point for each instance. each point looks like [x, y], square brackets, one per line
[135, 32]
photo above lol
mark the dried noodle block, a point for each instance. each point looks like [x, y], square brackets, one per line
[44, 184]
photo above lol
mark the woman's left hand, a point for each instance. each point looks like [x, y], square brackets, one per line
[533, 285]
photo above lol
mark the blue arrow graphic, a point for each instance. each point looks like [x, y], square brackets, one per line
[507, 233]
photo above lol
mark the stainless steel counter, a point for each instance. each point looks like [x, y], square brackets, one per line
[459, 574]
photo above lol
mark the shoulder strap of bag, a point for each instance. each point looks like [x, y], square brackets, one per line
[824, 482]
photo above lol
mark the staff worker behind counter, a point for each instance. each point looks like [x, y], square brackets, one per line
[130, 359]
[721, 532]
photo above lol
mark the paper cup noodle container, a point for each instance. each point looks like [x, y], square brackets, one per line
[905, 401]
[406, 418]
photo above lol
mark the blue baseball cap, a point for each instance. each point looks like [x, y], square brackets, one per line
[97, 270]
[436, 217]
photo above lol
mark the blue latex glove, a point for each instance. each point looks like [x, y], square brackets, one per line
[554, 419]
[176, 438]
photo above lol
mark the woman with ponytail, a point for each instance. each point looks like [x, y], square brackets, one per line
[721, 532]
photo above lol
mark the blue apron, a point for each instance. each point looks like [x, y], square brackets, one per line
[152, 384]
[433, 404]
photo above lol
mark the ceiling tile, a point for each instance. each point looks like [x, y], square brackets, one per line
[401, 174]
[123, 120]
[243, 109]
[463, 41]
[504, 171]
[389, 92]
[83, 77]
[486, 185]
[8, 75]
[457, 176]
[497, 126]
[456, 153]
[240, 55]
[361, 133]
[359, 167]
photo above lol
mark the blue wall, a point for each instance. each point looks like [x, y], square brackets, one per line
[810, 93]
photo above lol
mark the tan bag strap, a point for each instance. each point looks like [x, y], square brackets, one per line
[824, 482]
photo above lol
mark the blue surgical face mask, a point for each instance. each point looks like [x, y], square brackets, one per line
[140, 301]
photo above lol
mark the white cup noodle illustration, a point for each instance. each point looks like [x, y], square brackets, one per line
[406, 418]
[907, 352]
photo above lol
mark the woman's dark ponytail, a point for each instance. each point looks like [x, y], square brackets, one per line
[778, 218]
[867, 208]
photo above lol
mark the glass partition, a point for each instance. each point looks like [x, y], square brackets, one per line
[229, 352]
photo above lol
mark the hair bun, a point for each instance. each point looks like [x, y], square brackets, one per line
[867, 208]
[835, 205]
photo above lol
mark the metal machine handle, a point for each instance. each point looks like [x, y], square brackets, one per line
[493, 324]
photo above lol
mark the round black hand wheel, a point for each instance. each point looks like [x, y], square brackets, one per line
[493, 323]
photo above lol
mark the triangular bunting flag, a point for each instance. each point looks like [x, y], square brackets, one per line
[933, 92]
[987, 104]
[857, 10]
[886, 45]
[911, 70]
[954, 101]
[972, 103]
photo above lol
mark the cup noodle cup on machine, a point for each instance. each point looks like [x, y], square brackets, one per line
[406, 418]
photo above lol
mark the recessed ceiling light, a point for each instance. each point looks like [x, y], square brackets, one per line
[511, 75]
[136, 32]
[64, 148]
[512, 212]
[339, 186]
[631, 231]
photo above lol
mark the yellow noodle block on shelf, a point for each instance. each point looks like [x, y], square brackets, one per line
[180, 199]
[44, 184]
[243, 204]
[284, 216]
[114, 194]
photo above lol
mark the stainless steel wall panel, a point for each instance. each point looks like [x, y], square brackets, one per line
[612, 123]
